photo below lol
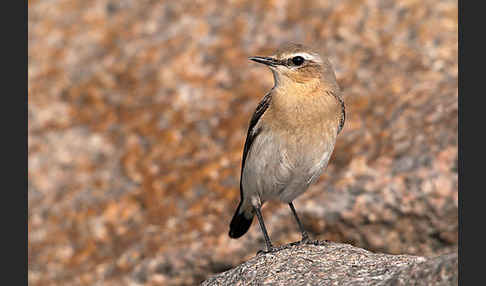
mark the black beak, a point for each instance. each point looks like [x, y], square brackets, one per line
[266, 61]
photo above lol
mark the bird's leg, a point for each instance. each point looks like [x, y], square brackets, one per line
[305, 236]
[264, 230]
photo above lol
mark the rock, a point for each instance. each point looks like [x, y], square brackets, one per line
[339, 264]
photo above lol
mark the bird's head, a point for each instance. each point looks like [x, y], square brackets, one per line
[298, 64]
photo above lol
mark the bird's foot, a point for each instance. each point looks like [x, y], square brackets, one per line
[317, 242]
[305, 239]
[268, 250]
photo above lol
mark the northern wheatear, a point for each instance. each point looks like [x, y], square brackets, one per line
[291, 135]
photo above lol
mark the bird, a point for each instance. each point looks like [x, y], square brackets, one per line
[291, 135]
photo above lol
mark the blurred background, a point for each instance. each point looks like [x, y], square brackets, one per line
[138, 112]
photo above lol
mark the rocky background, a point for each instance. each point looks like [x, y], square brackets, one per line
[138, 113]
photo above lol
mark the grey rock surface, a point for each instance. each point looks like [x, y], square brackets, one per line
[327, 263]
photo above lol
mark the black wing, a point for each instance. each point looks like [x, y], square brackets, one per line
[253, 131]
[342, 119]
[343, 114]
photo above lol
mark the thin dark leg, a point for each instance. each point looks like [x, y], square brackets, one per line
[264, 230]
[305, 237]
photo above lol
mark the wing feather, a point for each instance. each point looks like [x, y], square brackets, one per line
[253, 131]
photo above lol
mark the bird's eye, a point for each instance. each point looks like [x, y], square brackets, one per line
[298, 60]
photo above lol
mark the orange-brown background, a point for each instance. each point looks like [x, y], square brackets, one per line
[138, 112]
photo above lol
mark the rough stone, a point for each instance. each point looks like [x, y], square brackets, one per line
[339, 264]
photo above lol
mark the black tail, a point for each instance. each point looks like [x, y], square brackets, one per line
[240, 223]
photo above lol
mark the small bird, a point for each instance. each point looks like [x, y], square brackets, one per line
[291, 135]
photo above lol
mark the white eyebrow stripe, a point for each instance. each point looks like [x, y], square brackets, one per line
[307, 56]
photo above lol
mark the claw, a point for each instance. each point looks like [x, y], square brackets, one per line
[305, 238]
[272, 249]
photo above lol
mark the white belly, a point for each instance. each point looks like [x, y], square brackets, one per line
[277, 170]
